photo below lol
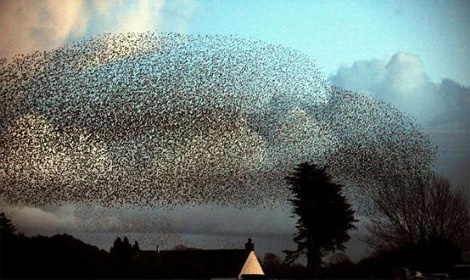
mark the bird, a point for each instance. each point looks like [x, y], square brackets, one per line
[166, 119]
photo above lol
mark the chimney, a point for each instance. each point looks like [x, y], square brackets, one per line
[250, 246]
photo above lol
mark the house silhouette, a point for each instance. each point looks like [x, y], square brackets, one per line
[197, 263]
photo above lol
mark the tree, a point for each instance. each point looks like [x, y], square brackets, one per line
[6, 227]
[121, 256]
[122, 249]
[418, 216]
[135, 247]
[324, 215]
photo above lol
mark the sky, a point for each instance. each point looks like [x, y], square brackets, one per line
[413, 54]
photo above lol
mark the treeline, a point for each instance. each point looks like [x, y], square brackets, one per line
[386, 264]
[64, 257]
[339, 268]
[61, 257]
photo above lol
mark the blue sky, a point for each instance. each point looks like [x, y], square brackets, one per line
[334, 33]
[413, 54]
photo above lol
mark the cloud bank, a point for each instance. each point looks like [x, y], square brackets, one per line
[403, 82]
[193, 226]
[30, 25]
[42, 220]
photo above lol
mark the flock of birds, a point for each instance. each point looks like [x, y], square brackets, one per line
[164, 119]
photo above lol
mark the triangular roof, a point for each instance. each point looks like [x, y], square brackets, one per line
[251, 266]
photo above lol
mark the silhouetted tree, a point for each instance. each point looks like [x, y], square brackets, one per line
[121, 254]
[135, 247]
[6, 227]
[117, 245]
[415, 217]
[324, 215]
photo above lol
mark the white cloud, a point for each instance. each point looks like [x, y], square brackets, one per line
[403, 82]
[143, 16]
[30, 25]
[27, 25]
[363, 75]
[103, 7]
[178, 14]
[404, 73]
[148, 15]
[33, 220]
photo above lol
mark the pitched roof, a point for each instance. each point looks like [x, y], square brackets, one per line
[194, 263]
[251, 266]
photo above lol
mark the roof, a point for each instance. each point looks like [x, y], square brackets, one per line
[251, 266]
[193, 263]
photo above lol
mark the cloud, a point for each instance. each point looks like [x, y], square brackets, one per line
[202, 227]
[402, 81]
[46, 220]
[196, 220]
[148, 15]
[454, 104]
[177, 14]
[103, 7]
[27, 25]
[363, 75]
[141, 16]
[168, 226]
[404, 73]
